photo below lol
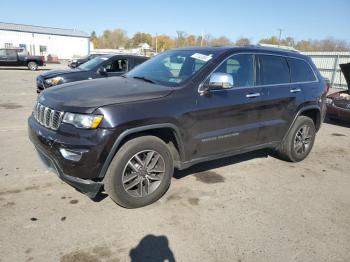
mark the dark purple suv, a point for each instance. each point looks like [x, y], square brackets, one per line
[125, 135]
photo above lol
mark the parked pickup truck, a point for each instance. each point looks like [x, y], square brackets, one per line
[20, 57]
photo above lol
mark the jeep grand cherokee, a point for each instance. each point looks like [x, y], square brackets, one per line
[125, 135]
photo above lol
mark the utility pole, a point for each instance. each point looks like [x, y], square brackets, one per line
[202, 39]
[280, 35]
[156, 43]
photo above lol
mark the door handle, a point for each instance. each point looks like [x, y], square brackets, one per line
[296, 90]
[251, 95]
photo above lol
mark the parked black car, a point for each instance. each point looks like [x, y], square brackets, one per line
[20, 57]
[184, 106]
[101, 66]
[78, 61]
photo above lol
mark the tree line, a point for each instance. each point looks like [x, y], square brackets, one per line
[118, 38]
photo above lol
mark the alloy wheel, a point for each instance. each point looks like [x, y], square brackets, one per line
[302, 140]
[143, 173]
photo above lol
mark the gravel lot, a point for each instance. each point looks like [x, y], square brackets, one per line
[253, 207]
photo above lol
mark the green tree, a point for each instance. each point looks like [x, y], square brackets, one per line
[165, 42]
[94, 39]
[242, 41]
[220, 41]
[273, 40]
[181, 39]
[114, 39]
[140, 38]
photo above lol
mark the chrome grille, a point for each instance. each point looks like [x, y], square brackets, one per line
[47, 117]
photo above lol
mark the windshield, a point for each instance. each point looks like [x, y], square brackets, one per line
[172, 68]
[93, 63]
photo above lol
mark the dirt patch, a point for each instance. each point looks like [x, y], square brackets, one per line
[102, 251]
[10, 105]
[338, 134]
[13, 191]
[209, 177]
[194, 201]
[94, 255]
[32, 188]
[79, 256]
[9, 204]
[173, 197]
[74, 201]
[28, 250]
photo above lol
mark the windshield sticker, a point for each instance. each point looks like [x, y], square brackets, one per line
[174, 80]
[202, 57]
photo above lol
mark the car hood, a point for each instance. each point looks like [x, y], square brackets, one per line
[345, 68]
[53, 73]
[86, 96]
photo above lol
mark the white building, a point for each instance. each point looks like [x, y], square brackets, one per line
[39, 40]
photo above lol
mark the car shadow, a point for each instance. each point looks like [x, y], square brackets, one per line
[152, 248]
[206, 166]
[337, 122]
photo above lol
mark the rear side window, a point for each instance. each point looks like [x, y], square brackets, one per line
[274, 70]
[300, 71]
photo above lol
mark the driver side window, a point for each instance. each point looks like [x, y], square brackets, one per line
[241, 67]
[119, 65]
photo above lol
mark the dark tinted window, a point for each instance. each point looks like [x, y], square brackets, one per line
[300, 71]
[275, 70]
[241, 67]
[118, 65]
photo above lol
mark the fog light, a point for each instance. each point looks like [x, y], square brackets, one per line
[71, 155]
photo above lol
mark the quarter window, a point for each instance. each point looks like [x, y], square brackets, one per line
[274, 70]
[241, 67]
[300, 71]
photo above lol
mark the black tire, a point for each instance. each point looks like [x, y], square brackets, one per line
[32, 66]
[289, 149]
[116, 173]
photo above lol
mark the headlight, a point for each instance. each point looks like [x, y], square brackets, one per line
[54, 81]
[329, 101]
[83, 121]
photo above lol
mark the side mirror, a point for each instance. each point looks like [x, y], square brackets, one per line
[102, 71]
[220, 81]
[217, 81]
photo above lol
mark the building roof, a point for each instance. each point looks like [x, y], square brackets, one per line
[42, 30]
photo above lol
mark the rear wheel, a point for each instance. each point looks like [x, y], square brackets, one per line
[140, 172]
[32, 66]
[299, 141]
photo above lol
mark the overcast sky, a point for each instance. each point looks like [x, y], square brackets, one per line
[301, 19]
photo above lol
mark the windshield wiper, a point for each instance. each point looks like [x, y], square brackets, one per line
[144, 79]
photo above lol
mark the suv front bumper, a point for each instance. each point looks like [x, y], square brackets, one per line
[82, 174]
[86, 186]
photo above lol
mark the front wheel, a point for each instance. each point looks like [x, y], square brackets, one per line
[299, 141]
[32, 66]
[140, 172]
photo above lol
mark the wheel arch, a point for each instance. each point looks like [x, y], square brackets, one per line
[168, 132]
[312, 111]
